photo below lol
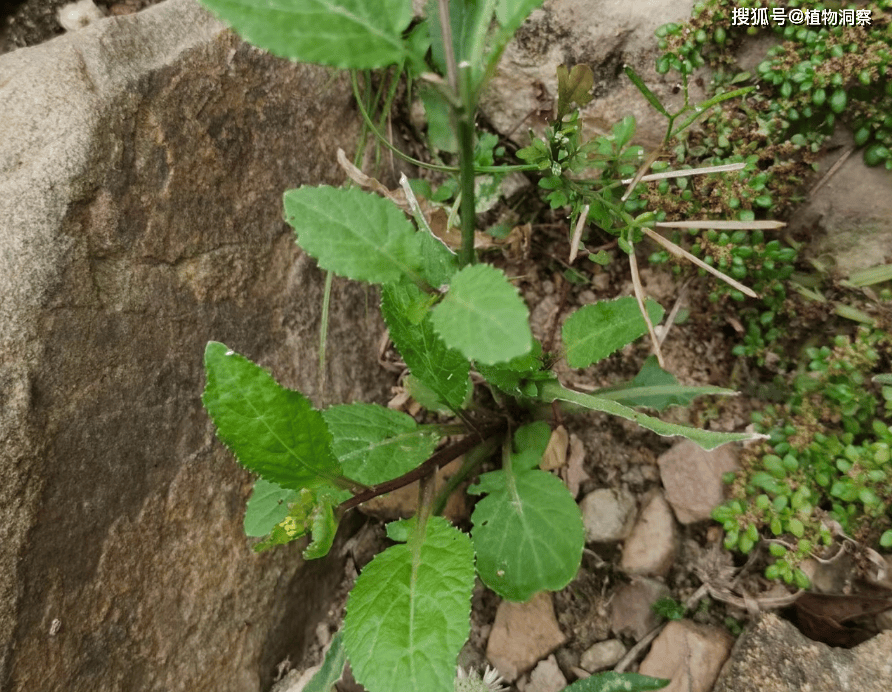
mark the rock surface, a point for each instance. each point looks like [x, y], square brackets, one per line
[650, 548]
[522, 634]
[546, 677]
[688, 654]
[773, 656]
[693, 478]
[608, 514]
[604, 36]
[142, 164]
[602, 655]
[630, 612]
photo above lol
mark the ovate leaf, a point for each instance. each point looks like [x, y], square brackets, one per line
[354, 233]
[707, 439]
[483, 316]
[267, 506]
[409, 612]
[311, 512]
[358, 34]
[375, 444]
[528, 531]
[655, 388]
[273, 431]
[617, 682]
[574, 86]
[332, 667]
[595, 331]
[442, 370]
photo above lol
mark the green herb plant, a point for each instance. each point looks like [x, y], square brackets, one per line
[448, 315]
[824, 475]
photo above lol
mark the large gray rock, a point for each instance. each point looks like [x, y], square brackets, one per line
[142, 163]
[603, 35]
[774, 656]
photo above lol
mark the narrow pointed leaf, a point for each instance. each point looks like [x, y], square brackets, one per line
[332, 667]
[375, 444]
[409, 612]
[617, 682]
[595, 331]
[528, 532]
[655, 388]
[354, 233]
[483, 317]
[707, 439]
[358, 34]
[273, 431]
[440, 369]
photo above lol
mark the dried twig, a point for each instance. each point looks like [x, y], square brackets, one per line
[639, 295]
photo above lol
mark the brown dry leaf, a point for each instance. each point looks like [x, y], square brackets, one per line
[555, 455]
[573, 474]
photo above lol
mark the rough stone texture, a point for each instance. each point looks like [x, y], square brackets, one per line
[602, 655]
[650, 548]
[142, 163]
[693, 478]
[773, 656]
[546, 677]
[689, 655]
[522, 634]
[603, 35]
[630, 609]
[850, 216]
[608, 514]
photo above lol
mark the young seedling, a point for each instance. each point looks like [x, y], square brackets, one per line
[448, 316]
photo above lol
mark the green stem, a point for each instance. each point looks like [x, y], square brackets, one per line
[465, 131]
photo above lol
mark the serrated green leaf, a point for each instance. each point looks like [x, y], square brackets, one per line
[623, 131]
[511, 376]
[440, 263]
[655, 388]
[409, 612]
[310, 513]
[354, 233]
[273, 431]
[483, 317]
[332, 667]
[440, 369]
[358, 34]
[267, 506]
[617, 682]
[595, 331]
[528, 532]
[375, 444]
[707, 439]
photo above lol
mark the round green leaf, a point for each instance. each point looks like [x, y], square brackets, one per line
[483, 317]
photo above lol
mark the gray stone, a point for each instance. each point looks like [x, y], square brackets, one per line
[689, 655]
[773, 656]
[608, 514]
[142, 164]
[630, 610]
[693, 478]
[604, 36]
[602, 655]
[650, 548]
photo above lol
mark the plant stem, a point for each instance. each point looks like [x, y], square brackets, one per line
[468, 214]
[438, 460]
[472, 460]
